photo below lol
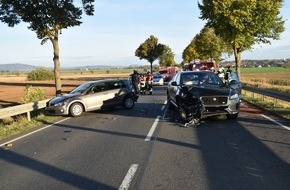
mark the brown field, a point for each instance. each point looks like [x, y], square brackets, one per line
[12, 88]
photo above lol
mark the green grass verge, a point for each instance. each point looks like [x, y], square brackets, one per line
[283, 112]
[10, 127]
[254, 70]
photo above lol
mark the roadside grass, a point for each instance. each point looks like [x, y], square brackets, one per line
[280, 108]
[20, 124]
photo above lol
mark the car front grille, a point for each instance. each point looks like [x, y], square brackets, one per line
[214, 100]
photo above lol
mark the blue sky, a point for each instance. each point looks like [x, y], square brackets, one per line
[116, 30]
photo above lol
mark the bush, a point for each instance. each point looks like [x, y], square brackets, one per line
[41, 74]
[32, 95]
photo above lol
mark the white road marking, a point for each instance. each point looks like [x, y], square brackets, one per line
[129, 176]
[274, 121]
[18, 138]
[149, 135]
[164, 105]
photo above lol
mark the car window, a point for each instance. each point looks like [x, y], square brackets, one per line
[82, 88]
[113, 85]
[99, 87]
[233, 76]
[189, 79]
[176, 78]
[199, 78]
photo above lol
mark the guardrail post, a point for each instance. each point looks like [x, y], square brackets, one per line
[263, 98]
[275, 102]
[28, 116]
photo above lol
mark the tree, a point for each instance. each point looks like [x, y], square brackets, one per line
[167, 57]
[46, 18]
[243, 23]
[150, 50]
[189, 53]
[209, 45]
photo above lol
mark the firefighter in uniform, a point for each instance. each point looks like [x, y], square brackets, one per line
[149, 82]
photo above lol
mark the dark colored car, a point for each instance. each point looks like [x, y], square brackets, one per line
[93, 95]
[201, 94]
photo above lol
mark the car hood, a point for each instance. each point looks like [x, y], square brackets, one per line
[58, 99]
[210, 91]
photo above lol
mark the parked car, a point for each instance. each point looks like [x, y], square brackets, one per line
[158, 80]
[93, 95]
[201, 94]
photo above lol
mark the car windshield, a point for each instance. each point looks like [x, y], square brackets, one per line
[157, 76]
[80, 89]
[200, 79]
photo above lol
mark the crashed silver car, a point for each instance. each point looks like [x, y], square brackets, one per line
[93, 95]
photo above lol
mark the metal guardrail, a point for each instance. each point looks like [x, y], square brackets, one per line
[265, 97]
[21, 109]
[270, 93]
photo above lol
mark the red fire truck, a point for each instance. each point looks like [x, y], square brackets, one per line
[200, 65]
[168, 72]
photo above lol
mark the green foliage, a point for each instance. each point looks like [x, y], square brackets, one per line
[32, 95]
[243, 23]
[190, 53]
[40, 74]
[150, 49]
[167, 57]
[46, 19]
[205, 45]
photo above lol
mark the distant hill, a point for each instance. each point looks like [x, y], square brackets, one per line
[16, 67]
[24, 67]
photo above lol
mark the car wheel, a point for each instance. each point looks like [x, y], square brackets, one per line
[233, 116]
[182, 112]
[128, 103]
[76, 109]
[170, 105]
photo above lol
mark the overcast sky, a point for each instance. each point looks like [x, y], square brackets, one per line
[116, 30]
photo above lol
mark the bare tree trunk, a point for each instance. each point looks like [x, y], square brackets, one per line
[57, 78]
[237, 54]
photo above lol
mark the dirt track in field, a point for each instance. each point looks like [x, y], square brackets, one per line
[12, 88]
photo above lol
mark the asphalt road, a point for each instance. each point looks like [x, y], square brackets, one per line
[146, 148]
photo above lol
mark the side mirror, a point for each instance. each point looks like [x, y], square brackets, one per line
[233, 82]
[174, 83]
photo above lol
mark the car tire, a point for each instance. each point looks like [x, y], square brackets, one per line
[233, 116]
[76, 109]
[182, 112]
[128, 103]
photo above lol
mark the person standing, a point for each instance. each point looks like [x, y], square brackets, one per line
[135, 82]
[149, 82]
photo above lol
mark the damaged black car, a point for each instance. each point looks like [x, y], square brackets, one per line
[201, 94]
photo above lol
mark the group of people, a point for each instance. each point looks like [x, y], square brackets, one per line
[136, 79]
[224, 74]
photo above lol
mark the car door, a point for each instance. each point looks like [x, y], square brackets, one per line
[114, 94]
[173, 86]
[234, 82]
[95, 96]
